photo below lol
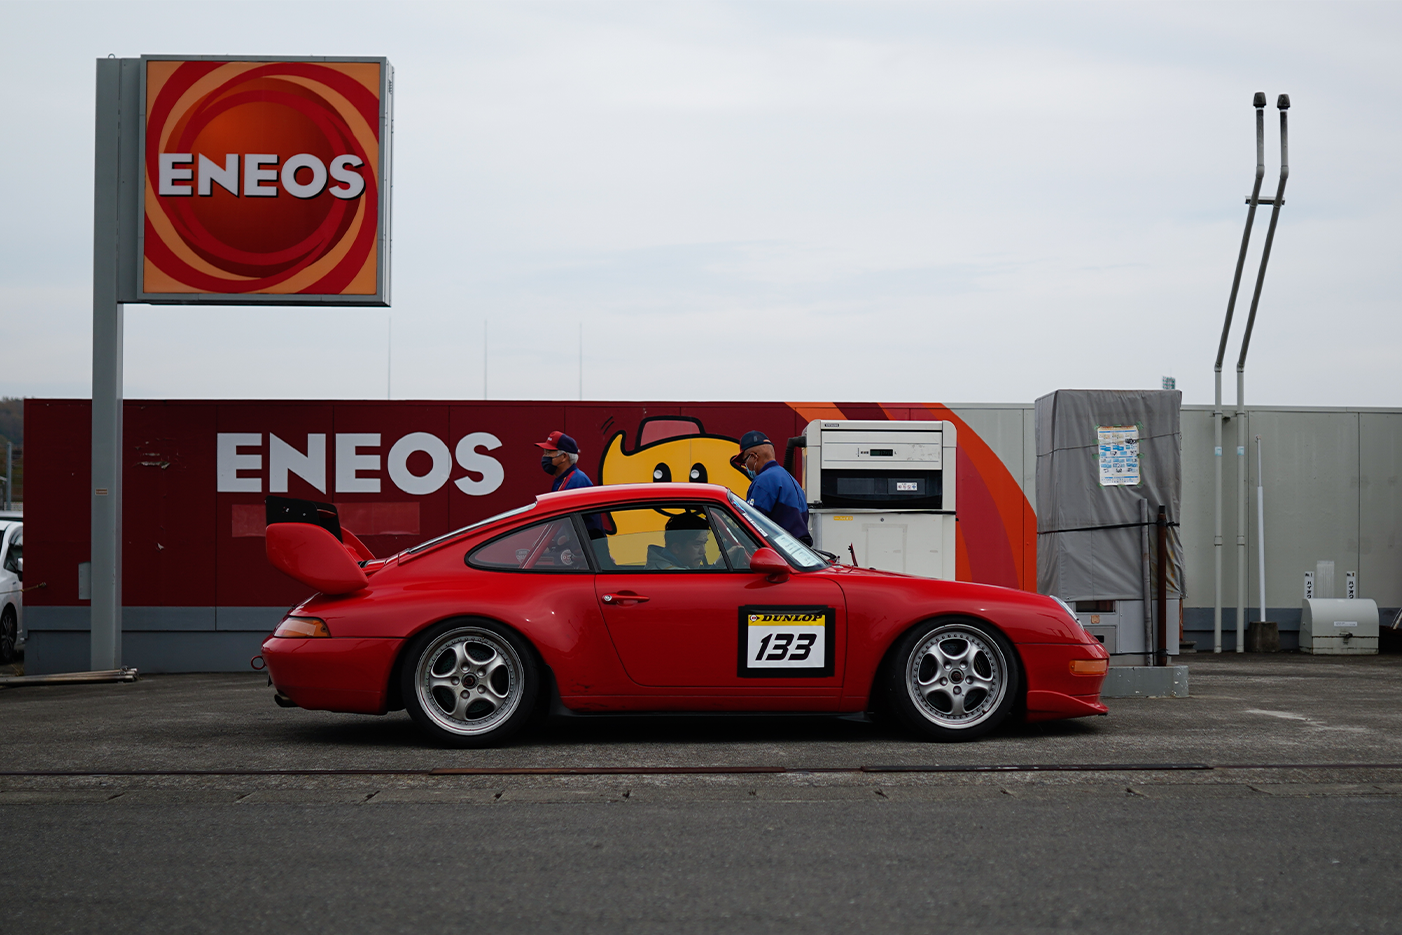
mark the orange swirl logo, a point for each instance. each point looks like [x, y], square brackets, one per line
[262, 177]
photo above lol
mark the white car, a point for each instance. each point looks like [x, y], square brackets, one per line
[11, 588]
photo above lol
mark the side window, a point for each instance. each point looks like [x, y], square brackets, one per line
[662, 537]
[12, 557]
[551, 546]
[738, 543]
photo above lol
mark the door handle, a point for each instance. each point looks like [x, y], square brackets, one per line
[625, 598]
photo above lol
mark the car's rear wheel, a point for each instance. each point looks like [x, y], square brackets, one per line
[952, 679]
[469, 683]
[9, 634]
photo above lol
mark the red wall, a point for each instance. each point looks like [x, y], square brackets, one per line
[187, 544]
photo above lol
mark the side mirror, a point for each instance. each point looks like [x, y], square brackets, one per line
[768, 562]
[314, 557]
[19, 568]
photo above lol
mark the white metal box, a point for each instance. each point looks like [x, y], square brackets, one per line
[1339, 627]
[912, 543]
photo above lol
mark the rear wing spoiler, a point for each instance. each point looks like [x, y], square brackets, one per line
[305, 540]
[290, 510]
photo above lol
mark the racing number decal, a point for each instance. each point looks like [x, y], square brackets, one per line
[792, 642]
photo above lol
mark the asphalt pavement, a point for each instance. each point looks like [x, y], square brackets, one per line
[1269, 800]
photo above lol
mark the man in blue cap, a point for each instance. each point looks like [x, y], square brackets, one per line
[773, 491]
[561, 461]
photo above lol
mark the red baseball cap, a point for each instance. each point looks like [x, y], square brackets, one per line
[559, 441]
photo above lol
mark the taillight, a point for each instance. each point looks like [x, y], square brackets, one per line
[1087, 666]
[300, 627]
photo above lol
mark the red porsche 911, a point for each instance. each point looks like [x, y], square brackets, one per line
[655, 598]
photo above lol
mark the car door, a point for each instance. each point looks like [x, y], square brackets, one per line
[691, 615]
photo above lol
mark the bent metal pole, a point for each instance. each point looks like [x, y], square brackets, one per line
[1283, 103]
[1259, 102]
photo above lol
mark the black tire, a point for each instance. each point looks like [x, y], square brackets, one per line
[9, 635]
[469, 682]
[952, 679]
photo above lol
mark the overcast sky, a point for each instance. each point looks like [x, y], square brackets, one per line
[791, 201]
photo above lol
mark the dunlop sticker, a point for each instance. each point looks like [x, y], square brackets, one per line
[779, 642]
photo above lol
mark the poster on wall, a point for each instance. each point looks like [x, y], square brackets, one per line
[1119, 455]
[265, 181]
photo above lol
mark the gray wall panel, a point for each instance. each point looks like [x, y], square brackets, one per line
[1380, 507]
[1311, 467]
[149, 652]
[256, 619]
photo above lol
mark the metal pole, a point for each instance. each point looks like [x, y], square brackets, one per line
[581, 360]
[1161, 594]
[9, 475]
[1146, 586]
[1259, 102]
[1283, 103]
[106, 491]
[1241, 516]
[1260, 529]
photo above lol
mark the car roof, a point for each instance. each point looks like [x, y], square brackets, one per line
[618, 494]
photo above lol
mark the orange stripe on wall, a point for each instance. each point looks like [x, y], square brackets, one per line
[810, 411]
[1014, 511]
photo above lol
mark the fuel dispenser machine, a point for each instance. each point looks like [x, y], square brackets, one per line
[884, 491]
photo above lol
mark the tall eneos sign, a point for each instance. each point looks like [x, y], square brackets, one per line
[265, 181]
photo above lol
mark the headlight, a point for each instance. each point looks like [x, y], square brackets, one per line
[1069, 612]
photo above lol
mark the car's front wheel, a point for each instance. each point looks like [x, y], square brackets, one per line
[469, 683]
[952, 679]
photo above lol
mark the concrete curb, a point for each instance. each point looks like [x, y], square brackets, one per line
[1146, 682]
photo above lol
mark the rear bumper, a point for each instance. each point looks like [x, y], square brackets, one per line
[332, 674]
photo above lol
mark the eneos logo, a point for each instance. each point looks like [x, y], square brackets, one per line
[263, 177]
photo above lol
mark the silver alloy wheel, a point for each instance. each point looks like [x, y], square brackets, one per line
[469, 681]
[957, 677]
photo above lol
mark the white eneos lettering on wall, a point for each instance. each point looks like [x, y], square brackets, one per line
[282, 458]
[228, 462]
[349, 462]
[437, 475]
[469, 459]
[357, 463]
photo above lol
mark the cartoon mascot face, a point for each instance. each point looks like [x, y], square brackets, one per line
[673, 449]
[669, 449]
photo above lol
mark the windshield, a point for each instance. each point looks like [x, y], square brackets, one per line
[780, 541]
[457, 532]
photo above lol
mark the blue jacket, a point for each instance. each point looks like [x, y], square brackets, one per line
[570, 480]
[777, 495]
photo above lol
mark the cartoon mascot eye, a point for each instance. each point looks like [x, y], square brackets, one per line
[662, 474]
[698, 473]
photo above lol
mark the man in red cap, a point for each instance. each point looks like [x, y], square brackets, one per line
[561, 461]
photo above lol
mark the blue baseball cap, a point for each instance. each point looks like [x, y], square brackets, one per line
[559, 441]
[752, 438]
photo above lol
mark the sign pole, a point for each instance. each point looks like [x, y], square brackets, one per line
[113, 281]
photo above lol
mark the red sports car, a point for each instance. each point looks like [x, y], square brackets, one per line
[655, 597]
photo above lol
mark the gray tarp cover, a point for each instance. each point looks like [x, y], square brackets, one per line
[1100, 563]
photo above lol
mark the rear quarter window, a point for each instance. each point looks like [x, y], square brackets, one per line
[551, 546]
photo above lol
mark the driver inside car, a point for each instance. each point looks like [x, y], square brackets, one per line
[686, 536]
